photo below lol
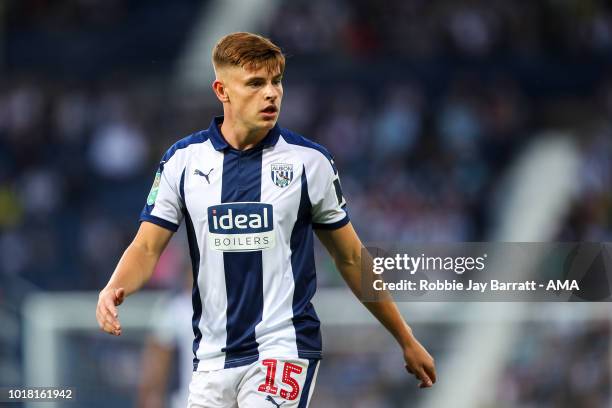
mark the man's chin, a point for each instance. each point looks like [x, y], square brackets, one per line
[262, 125]
[268, 124]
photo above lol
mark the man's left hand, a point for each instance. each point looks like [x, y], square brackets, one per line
[420, 363]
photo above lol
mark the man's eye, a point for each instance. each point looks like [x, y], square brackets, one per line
[254, 84]
[276, 81]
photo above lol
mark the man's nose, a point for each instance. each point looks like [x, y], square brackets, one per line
[271, 93]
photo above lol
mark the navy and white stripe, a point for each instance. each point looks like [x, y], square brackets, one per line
[253, 282]
[241, 182]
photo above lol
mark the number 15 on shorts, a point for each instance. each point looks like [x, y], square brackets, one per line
[292, 380]
[289, 369]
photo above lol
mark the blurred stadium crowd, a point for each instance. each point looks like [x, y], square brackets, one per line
[424, 105]
[537, 377]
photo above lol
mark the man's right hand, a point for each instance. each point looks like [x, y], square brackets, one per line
[133, 270]
[106, 311]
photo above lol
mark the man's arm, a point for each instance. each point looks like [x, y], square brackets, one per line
[133, 270]
[345, 248]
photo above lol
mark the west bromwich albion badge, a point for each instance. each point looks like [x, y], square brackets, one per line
[282, 174]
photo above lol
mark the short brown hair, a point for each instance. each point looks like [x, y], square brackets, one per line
[249, 51]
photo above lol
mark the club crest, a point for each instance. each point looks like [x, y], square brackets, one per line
[282, 174]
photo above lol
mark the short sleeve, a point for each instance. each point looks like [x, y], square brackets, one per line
[328, 203]
[164, 205]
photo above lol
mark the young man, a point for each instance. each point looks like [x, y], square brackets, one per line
[251, 194]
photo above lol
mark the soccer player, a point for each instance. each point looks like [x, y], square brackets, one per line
[251, 193]
[171, 337]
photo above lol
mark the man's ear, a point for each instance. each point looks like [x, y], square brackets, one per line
[220, 90]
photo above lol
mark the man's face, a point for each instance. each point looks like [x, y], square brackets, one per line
[254, 96]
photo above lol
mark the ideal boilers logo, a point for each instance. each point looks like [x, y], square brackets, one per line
[241, 227]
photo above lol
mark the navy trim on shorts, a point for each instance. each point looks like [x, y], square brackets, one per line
[312, 368]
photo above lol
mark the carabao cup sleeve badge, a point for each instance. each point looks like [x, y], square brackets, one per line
[154, 189]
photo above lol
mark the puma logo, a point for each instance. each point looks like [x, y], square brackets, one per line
[276, 404]
[199, 173]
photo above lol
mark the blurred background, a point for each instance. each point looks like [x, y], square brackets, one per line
[449, 121]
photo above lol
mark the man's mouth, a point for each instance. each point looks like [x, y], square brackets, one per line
[270, 109]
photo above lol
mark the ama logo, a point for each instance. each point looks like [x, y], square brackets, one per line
[241, 227]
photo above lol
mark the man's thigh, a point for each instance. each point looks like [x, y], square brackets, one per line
[215, 389]
[274, 383]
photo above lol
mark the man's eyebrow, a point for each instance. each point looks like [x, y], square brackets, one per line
[260, 78]
[255, 78]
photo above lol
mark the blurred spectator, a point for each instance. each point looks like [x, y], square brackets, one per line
[118, 151]
[398, 124]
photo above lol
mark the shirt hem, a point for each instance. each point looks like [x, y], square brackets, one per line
[160, 221]
[250, 359]
[333, 225]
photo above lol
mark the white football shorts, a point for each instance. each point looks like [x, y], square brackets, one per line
[269, 383]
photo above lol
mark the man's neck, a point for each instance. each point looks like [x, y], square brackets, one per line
[239, 137]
